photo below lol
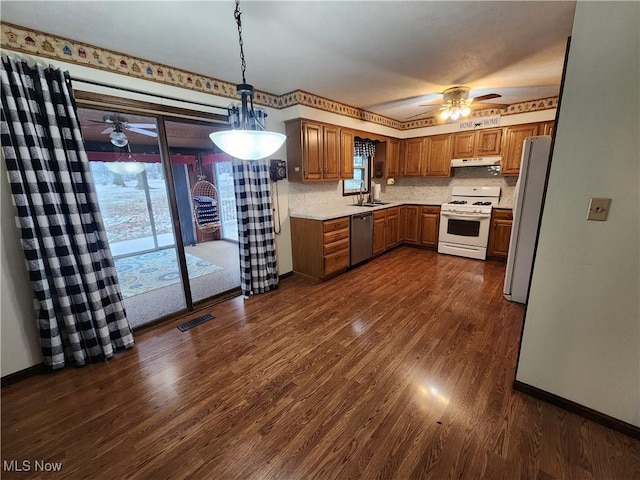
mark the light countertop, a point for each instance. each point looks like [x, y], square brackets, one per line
[329, 212]
[321, 212]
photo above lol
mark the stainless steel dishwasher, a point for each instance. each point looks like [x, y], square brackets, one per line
[361, 245]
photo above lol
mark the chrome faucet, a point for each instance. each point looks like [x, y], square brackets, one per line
[361, 193]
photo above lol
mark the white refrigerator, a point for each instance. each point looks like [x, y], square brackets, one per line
[527, 210]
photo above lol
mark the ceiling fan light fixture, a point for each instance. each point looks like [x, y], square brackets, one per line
[119, 139]
[126, 168]
[247, 143]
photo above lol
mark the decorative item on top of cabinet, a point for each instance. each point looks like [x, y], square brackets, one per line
[320, 248]
[477, 143]
[385, 229]
[437, 151]
[513, 144]
[313, 151]
[409, 226]
[429, 225]
[500, 233]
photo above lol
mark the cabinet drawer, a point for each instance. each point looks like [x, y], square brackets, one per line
[336, 262]
[336, 247]
[379, 214]
[393, 212]
[431, 209]
[502, 214]
[337, 224]
[335, 236]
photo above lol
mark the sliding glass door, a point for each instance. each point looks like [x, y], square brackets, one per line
[203, 183]
[165, 260]
[131, 184]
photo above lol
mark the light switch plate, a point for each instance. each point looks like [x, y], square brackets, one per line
[598, 209]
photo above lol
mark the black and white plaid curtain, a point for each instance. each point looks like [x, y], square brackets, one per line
[78, 302]
[258, 270]
[364, 148]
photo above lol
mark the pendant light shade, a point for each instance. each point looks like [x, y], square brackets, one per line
[248, 144]
[126, 168]
[250, 141]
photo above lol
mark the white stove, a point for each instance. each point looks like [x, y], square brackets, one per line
[465, 221]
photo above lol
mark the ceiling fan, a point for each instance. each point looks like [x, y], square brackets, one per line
[116, 124]
[456, 103]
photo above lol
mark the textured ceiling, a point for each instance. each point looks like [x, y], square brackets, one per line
[385, 57]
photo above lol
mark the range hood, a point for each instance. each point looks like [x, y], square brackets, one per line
[476, 162]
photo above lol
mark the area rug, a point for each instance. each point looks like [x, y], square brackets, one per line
[148, 271]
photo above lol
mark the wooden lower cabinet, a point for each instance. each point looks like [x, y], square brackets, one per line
[320, 248]
[392, 229]
[386, 229]
[379, 226]
[429, 225]
[500, 233]
[409, 226]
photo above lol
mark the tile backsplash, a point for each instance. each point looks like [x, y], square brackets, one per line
[436, 190]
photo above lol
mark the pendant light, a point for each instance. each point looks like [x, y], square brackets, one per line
[130, 167]
[251, 141]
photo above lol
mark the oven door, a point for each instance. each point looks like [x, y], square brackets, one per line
[465, 228]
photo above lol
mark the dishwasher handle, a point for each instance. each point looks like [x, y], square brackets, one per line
[362, 216]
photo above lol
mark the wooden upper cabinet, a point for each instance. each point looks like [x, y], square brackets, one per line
[392, 162]
[331, 149]
[513, 145]
[463, 144]
[438, 155]
[314, 151]
[346, 149]
[413, 157]
[479, 143]
[488, 142]
[546, 128]
[312, 155]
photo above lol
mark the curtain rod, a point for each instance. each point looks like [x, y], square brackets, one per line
[140, 92]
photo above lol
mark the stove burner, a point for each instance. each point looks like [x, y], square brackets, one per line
[482, 203]
[458, 202]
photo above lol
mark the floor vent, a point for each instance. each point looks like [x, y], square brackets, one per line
[195, 322]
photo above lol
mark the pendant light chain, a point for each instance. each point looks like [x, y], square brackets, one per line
[237, 14]
[246, 142]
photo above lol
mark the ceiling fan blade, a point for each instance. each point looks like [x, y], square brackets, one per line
[142, 132]
[142, 125]
[418, 115]
[430, 104]
[488, 96]
[107, 130]
[427, 112]
[488, 105]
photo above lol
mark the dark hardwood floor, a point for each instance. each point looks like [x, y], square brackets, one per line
[401, 368]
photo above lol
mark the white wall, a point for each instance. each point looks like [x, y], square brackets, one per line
[581, 336]
[20, 346]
